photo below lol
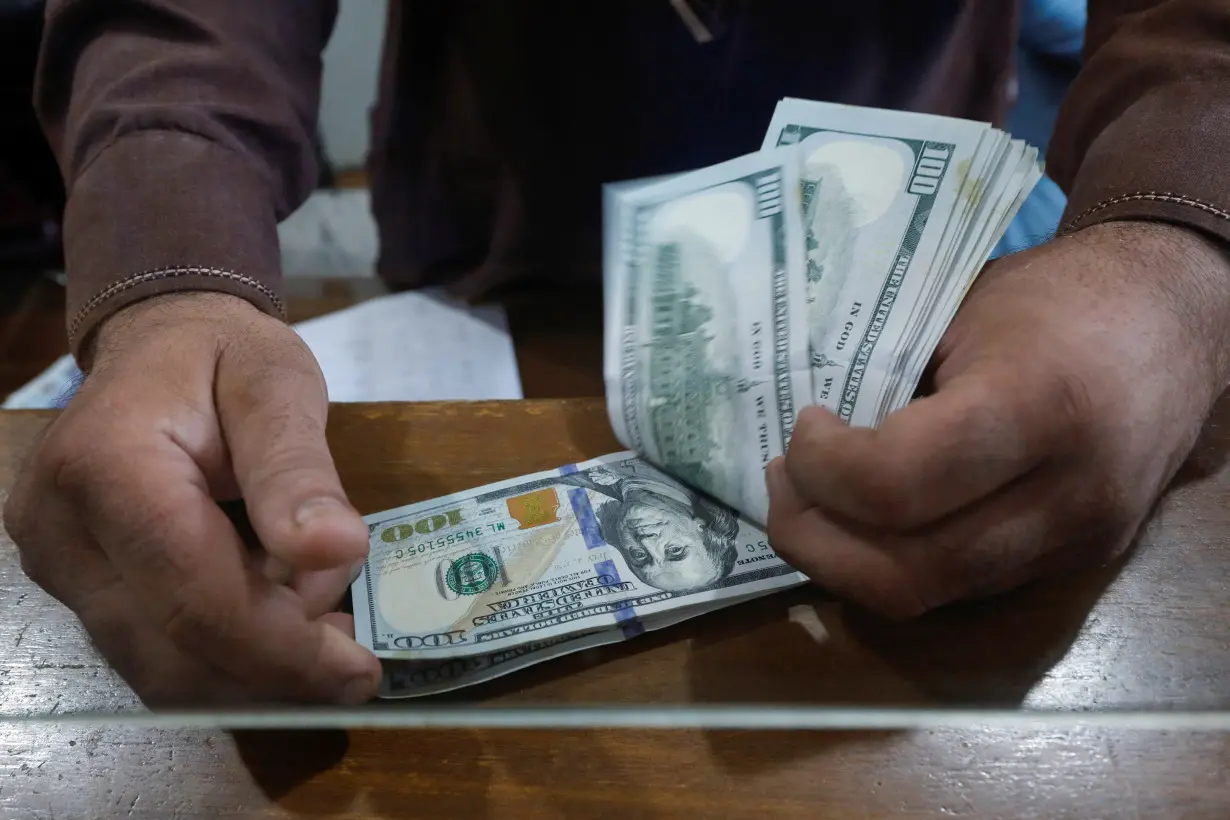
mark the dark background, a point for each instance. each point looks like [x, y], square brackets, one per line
[31, 194]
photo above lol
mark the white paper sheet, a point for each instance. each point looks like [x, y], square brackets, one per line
[415, 346]
[411, 346]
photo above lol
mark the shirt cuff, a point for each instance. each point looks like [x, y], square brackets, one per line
[1162, 159]
[160, 212]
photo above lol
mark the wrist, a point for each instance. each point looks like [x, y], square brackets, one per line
[1184, 270]
[149, 318]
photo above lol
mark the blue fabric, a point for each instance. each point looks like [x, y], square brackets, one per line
[1054, 27]
[1048, 57]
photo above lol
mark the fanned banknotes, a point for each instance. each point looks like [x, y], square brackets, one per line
[821, 269]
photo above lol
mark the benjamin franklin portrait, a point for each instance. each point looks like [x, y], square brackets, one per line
[672, 538]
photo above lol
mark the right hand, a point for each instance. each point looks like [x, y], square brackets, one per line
[193, 399]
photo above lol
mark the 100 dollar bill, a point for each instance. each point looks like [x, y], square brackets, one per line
[706, 354]
[880, 191]
[412, 679]
[586, 547]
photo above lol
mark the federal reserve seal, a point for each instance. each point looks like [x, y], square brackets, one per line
[472, 574]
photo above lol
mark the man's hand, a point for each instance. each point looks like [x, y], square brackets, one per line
[1068, 390]
[196, 398]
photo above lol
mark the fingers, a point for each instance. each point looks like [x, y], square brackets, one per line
[842, 563]
[117, 516]
[162, 674]
[59, 557]
[273, 414]
[174, 545]
[73, 569]
[981, 430]
[320, 591]
[994, 545]
[340, 621]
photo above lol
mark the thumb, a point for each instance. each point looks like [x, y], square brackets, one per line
[272, 404]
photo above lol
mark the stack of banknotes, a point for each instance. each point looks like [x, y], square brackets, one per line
[822, 269]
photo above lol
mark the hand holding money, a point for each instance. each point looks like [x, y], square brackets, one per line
[195, 398]
[819, 271]
[1067, 392]
[479, 583]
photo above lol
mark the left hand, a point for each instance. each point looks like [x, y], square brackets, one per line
[1069, 389]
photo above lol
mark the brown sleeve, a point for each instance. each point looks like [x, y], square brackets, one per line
[185, 132]
[1145, 130]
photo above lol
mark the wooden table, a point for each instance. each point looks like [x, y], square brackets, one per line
[1154, 631]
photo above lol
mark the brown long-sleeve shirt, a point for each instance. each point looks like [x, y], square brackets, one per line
[185, 128]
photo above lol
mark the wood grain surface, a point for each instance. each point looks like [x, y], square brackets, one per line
[1153, 631]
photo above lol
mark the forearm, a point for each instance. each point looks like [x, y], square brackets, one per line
[185, 131]
[1142, 133]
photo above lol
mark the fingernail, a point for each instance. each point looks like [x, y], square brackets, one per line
[317, 508]
[356, 570]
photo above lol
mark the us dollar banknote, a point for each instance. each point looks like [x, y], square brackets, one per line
[419, 678]
[821, 270]
[600, 545]
[881, 193]
[707, 345]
